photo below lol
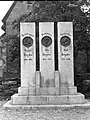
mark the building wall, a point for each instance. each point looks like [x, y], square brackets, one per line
[20, 9]
[2, 58]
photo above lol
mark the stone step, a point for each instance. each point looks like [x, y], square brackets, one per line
[47, 90]
[46, 100]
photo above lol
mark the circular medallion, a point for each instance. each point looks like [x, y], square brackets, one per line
[65, 41]
[46, 41]
[27, 42]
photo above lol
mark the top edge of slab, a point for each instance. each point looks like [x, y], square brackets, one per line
[8, 105]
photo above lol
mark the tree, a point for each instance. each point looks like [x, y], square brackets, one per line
[54, 11]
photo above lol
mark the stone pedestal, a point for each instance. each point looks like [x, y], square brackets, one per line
[47, 99]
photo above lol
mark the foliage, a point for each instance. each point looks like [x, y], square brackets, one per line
[55, 11]
[14, 55]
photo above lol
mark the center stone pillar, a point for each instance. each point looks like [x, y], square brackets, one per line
[46, 44]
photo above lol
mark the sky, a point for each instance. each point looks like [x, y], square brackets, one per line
[4, 7]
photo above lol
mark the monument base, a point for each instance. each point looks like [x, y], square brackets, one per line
[62, 90]
[47, 99]
[9, 105]
[47, 96]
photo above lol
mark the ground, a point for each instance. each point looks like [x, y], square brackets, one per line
[45, 114]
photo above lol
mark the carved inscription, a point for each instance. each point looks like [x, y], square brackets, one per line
[46, 52]
[46, 41]
[28, 42]
[65, 41]
[65, 55]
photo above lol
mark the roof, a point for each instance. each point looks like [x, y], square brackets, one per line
[4, 27]
[9, 11]
[2, 35]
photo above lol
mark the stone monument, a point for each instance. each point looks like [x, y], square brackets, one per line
[47, 53]
[47, 86]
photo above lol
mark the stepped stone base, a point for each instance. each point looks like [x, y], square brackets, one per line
[47, 96]
[47, 99]
[10, 106]
[63, 90]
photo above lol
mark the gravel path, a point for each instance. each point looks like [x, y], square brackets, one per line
[45, 114]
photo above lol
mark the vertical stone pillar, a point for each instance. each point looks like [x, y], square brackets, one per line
[65, 52]
[46, 44]
[28, 54]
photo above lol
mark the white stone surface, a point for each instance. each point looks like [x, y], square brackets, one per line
[26, 91]
[48, 99]
[38, 78]
[65, 54]
[46, 54]
[8, 105]
[57, 79]
[16, 99]
[67, 90]
[28, 55]
[47, 91]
